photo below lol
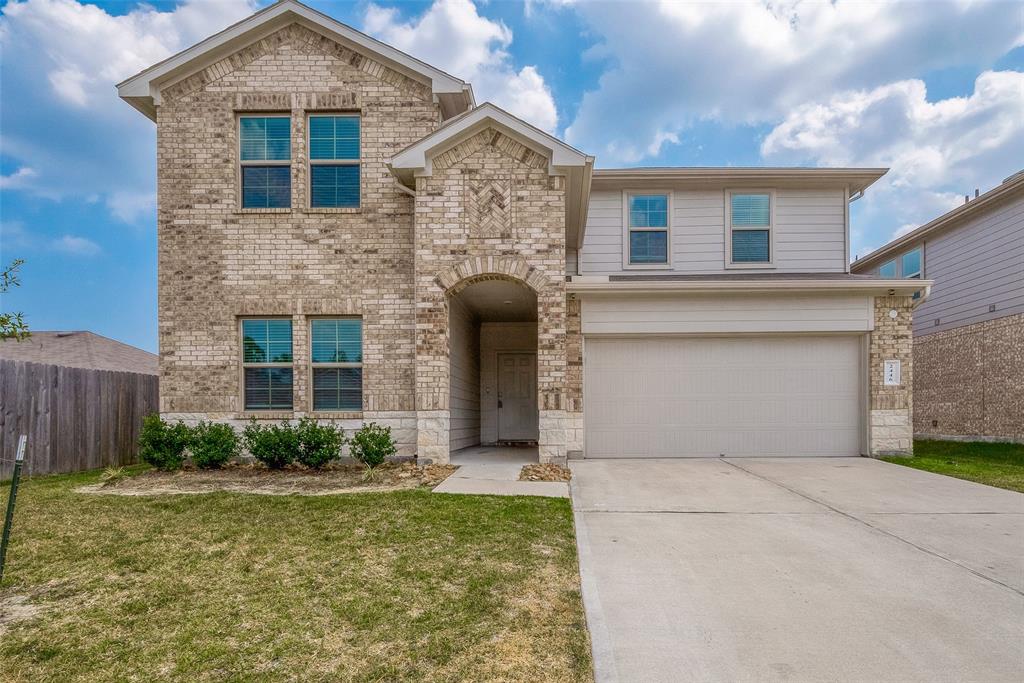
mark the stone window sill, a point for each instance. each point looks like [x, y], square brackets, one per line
[266, 415]
[349, 210]
[259, 211]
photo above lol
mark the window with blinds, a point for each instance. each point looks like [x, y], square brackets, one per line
[648, 229]
[334, 161]
[267, 363]
[750, 227]
[264, 153]
[336, 355]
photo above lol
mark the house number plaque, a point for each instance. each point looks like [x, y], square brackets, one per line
[891, 373]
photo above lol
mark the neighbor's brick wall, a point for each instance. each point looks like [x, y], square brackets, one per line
[217, 263]
[890, 408]
[969, 381]
[490, 209]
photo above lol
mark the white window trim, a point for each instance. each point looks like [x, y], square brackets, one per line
[310, 162]
[770, 263]
[260, 162]
[626, 229]
[316, 366]
[242, 365]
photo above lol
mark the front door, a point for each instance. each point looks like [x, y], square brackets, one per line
[517, 397]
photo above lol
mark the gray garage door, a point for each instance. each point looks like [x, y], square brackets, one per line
[667, 397]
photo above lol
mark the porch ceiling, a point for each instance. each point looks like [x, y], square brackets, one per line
[498, 301]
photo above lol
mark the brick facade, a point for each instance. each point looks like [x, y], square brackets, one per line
[218, 262]
[523, 240]
[969, 382]
[890, 430]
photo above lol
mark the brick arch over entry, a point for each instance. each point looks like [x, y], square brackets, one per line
[456, 278]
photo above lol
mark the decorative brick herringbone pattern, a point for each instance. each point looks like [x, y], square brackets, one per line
[489, 207]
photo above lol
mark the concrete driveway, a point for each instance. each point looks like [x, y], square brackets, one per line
[831, 569]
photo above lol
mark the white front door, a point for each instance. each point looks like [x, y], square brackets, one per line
[517, 397]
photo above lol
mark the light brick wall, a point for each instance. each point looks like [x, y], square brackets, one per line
[490, 210]
[890, 429]
[969, 382]
[217, 263]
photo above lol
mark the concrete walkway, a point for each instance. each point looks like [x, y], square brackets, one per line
[831, 569]
[494, 470]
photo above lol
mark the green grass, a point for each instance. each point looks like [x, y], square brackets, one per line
[995, 464]
[233, 587]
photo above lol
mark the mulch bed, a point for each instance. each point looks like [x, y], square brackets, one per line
[255, 478]
[544, 472]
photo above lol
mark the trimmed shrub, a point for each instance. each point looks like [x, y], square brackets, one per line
[213, 444]
[318, 443]
[273, 445]
[371, 445]
[162, 444]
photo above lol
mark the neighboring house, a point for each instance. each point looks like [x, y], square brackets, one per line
[78, 397]
[344, 233]
[969, 334]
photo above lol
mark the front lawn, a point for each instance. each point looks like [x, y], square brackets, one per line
[995, 464]
[407, 585]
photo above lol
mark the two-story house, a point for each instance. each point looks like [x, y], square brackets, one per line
[969, 334]
[345, 233]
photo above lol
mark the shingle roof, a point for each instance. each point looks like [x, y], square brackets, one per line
[80, 350]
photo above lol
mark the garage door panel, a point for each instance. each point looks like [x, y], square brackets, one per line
[742, 396]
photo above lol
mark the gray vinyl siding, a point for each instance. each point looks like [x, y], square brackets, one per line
[810, 233]
[465, 378]
[974, 265]
[727, 314]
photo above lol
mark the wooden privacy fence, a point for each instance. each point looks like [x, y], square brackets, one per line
[75, 418]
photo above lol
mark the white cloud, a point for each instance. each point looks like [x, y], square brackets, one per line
[452, 35]
[79, 246]
[130, 206]
[61, 113]
[937, 151]
[672, 64]
[17, 179]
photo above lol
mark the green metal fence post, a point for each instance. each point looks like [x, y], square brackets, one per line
[9, 517]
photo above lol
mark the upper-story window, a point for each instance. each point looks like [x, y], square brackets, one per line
[334, 155]
[264, 153]
[887, 269]
[750, 228]
[910, 264]
[648, 229]
[267, 363]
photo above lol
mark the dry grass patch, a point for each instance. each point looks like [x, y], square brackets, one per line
[255, 478]
[399, 586]
[544, 472]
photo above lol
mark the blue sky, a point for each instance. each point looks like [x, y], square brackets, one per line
[933, 90]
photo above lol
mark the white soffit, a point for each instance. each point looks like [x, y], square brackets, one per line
[142, 91]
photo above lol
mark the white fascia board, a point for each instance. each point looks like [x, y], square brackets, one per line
[417, 157]
[147, 84]
[601, 285]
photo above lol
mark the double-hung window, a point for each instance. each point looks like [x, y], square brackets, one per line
[267, 363]
[750, 228]
[264, 153]
[334, 161]
[887, 269]
[337, 359]
[648, 229]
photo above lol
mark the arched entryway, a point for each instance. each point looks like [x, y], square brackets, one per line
[493, 370]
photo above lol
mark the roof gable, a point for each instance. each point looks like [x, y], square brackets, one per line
[560, 159]
[417, 158]
[142, 91]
